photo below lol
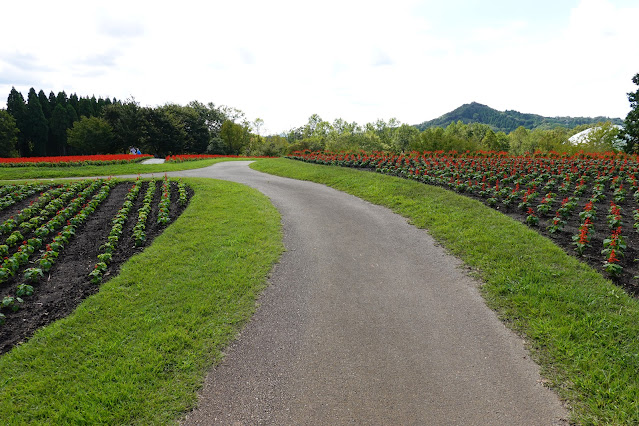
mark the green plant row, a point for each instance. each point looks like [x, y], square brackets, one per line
[19, 193]
[107, 249]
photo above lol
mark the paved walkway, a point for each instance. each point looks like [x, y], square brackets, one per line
[367, 321]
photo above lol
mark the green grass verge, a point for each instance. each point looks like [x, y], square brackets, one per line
[32, 172]
[581, 329]
[138, 351]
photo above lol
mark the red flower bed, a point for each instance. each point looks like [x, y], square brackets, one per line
[72, 160]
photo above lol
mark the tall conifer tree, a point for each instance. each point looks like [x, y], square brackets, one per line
[37, 129]
[44, 103]
[59, 124]
[17, 107]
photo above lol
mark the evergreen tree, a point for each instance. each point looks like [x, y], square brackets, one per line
[99, 106]
[53, 101]
[44, 103]
[85, 108]
[72, 116]
[17, 107]
[8, 134]
[75, 102]
[37, 129]
[94, 106]
[62, 99]
[58, 126]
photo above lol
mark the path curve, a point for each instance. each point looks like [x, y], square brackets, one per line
[367, 321]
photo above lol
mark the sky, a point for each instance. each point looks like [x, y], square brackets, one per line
[359, 60]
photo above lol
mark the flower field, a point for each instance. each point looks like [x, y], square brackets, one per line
[72, 160]
[588, 204]
[59, 242]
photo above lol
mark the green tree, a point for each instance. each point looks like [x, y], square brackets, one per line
[403, 136]
[8, 135]
[44, 103]
[604, 137]
[162, 133]
[213, 119]
[58, 125]
[73, 100]
[91, 135]
[127, 121]
[99, 106]
[85, 108]
[53, 101]
[555, 139]
[17, 107]
[519, 140]
[193, 124]
[62, 99]
[630, 131]
[72, 116]
[37, 128]
[235, 136]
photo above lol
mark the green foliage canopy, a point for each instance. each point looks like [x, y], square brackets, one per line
[631, 124]
[91, 135]
[8, 135]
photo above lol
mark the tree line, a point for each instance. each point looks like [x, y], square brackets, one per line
[393, 136]
[59, 124]
[470, 135]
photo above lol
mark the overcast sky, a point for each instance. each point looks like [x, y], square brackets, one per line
[359, 60]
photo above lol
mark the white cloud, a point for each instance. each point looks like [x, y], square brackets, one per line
[359, 60]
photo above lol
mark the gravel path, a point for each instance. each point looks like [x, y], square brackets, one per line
[367, 321]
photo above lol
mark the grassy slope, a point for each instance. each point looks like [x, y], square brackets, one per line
[18, 173]
[137, 351]
[581, 329]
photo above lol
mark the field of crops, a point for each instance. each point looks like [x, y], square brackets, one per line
[59, 242]
[587, 204]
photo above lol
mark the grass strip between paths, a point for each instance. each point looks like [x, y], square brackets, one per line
[581, 329]
[138, 351]
[50, 172]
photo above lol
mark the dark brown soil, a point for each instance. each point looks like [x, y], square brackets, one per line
[592, 255]
[67, 283]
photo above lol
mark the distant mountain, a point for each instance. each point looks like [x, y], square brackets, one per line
[508, 120]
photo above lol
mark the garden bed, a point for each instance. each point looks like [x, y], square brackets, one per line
[61, 288]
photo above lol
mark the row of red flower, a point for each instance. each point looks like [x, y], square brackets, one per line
[70, 160]
[82, 160]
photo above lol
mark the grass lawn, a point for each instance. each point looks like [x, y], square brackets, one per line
[138, 351]
[581, 329]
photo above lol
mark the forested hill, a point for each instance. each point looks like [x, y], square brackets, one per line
[507, 121]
